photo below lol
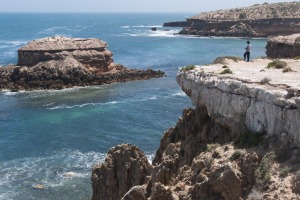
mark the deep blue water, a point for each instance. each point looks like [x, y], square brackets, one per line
[46, 134]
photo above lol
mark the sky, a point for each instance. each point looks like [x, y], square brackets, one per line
[194, 6]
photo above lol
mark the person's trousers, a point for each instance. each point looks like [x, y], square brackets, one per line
[247, 55]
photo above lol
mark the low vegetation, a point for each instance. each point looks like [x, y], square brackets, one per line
[287, 69]
[297, 58]
[248, 139]
[263, 172]
[284, 171]
[226, 71]
[236, 155]
[187, 68]
[277, 64]
[211, 147]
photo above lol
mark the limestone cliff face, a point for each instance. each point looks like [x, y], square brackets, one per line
[254, 21]
[242, 104]
[200, 158]
[284, 46]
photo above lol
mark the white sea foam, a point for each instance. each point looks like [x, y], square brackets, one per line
[181, 94]
[63, 30]
[158, 33]
[63, 106]
[11, 43]
[150, 156]
[48, 171]
[10, 93]
[147, 26]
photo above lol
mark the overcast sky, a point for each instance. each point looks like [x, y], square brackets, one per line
[194, 6]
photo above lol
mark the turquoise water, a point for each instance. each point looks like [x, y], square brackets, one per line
[46, 134]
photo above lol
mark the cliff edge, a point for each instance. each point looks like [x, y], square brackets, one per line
[259, 20]
[240, 142]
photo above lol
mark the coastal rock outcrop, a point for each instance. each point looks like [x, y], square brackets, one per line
[125, 166]
[240, 142]
[284, 46]
[245, 103]
[259, 20]
[59, 62]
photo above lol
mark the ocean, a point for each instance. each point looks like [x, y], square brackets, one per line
[47, 135]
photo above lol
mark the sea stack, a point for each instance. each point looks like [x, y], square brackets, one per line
[88, 52]
[60, 62]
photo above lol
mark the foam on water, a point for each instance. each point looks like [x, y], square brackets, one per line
[81, 105]
[180, 94]
[54, 170]
[11, 43]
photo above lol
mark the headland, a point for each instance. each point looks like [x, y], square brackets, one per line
[241, 141]
[259, 20]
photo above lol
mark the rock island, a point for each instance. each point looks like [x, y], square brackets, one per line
[60, 62]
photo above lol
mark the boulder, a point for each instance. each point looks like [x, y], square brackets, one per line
[124, 167]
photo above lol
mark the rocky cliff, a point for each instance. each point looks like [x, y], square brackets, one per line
[240, 142]
[255, 21]
[59, 62]
[284, 46]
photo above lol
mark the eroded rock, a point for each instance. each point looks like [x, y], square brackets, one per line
[59, 62]
[124, 167]
[284, 46]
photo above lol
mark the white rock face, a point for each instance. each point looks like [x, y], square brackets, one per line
[242, 104]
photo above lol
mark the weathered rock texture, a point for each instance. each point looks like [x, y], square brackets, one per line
[125, 166]
[284, 46]
[196, 160]
[255, 21]
[241, 104]
[59, 62]
[89, 52]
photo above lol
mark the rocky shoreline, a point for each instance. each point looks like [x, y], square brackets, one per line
[260, 20]
[240, 142]
[59, 62]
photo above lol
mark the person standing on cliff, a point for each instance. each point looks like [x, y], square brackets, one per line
[248, 50]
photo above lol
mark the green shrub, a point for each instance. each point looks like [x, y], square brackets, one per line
[263, 172]
[248, 139]
[225, 66]
[287, 69]
[211, 147]
[242, 15]
[187, 68]
[277, 64]
[284, 171]
[236, 155]
[297, 58]
[226, 71]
